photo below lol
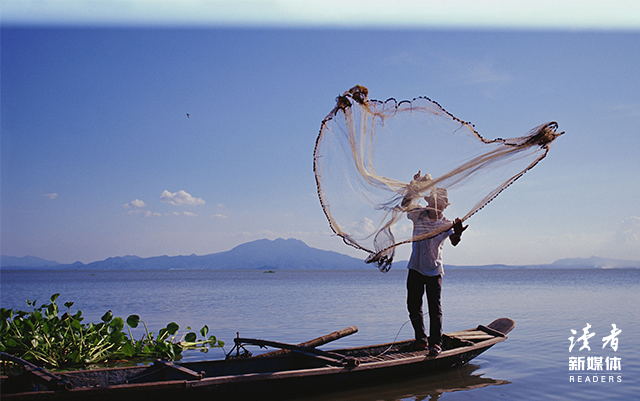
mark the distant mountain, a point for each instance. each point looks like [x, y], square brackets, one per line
[597, 263]
[283, 254]
[447, 267]
[289, 254]
[26, 261]
[264, 254]
[593, 262]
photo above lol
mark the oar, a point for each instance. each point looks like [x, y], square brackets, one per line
[316, 342]
[330, 358]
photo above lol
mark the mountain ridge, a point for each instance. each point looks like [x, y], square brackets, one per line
[282, 254]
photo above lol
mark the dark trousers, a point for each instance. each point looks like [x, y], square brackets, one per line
[416, 285]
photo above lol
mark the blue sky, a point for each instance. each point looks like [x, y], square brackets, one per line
[99, 158]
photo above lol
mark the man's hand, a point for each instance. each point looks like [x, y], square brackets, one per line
[458, 228]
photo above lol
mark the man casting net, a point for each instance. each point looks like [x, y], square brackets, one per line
[368, 150]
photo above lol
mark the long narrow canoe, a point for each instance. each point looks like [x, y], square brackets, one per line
[295, 370]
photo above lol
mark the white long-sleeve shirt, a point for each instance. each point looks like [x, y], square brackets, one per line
[426, 255]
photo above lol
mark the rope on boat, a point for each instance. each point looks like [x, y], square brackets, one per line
[400, 330]
[157, 368]
[244, 354]
[394, 340]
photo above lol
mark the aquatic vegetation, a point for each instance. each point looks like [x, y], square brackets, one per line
[59, 342]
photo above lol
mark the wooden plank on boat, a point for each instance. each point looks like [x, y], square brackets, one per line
[475, 333]
[472, 335]
[476, 337]
[330, 358]
[460, 333]
[316, 342]
[497, 328]
[503, 325]
[180, 369]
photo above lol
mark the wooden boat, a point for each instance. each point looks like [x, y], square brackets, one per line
[294, 370]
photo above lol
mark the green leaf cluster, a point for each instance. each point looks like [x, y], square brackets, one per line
[62, 342]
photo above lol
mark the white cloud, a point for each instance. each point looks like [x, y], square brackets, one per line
[180, 198]
[184, 213]
[145, 213]
[135, 203]
[486, 72]
[621, 243]
[402, 228]
[51, 195]
[626, 109]
[219, 216]
[629, 232]
[362, 228]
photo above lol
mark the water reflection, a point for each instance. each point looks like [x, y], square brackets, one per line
[421, 389]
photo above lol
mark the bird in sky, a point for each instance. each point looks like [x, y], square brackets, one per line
[187, 115]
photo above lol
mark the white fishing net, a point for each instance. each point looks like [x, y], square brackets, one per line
[368, 151]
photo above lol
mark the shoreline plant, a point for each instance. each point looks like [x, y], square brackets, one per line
[63, 342]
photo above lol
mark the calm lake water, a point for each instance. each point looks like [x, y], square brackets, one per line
[296, 306]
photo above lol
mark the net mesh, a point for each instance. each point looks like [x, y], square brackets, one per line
[367, 152]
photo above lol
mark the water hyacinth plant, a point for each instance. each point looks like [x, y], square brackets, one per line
[44, 338]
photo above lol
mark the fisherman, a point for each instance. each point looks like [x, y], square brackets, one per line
[425, 265]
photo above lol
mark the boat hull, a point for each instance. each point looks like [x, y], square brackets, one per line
[275, 377]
